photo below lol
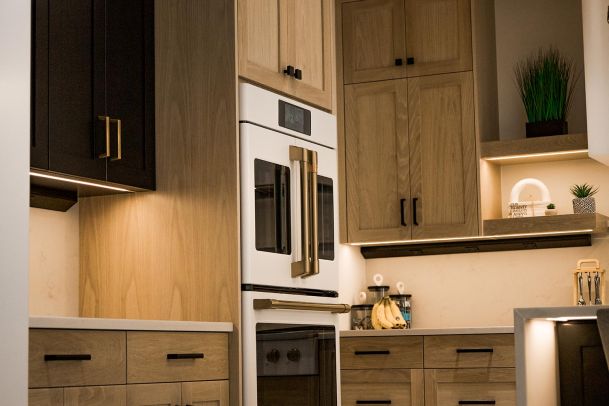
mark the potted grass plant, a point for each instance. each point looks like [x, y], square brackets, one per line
[546, 82]
[584, 202]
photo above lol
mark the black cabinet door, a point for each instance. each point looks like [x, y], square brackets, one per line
[72, 125]
[129, 75]
[39, 136]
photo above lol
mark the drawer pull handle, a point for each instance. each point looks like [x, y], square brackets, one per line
[473, 350]
[372, 402]
[477, 402]
[196, 355]
[378, 352]
[67, 357]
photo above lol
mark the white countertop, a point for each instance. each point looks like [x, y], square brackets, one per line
[84, 323]
[428, 331]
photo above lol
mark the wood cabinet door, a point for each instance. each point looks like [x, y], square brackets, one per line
[402, 387]
[157, 394]
[129, 91]
[443, 156]
[438, 36]
[205, 393]
[96, 396]
[470, 386]
[45, 397]
[374, 42]
[377, 155]
[305, 32]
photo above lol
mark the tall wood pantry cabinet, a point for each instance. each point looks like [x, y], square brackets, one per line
[93, 90]
[409, 135]
[286, 45]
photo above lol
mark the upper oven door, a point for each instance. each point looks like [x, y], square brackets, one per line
[274, 244]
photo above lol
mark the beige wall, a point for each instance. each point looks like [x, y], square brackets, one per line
[522, 26]
[53, 261]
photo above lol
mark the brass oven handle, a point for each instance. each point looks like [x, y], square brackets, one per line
[119, 139]
[301, 268]
[267, 304]
[314, 267]
[106, 119]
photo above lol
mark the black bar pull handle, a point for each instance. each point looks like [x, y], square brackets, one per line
[289, 70]
[473, 350]
[373, 352]
[414, 211]
[402, 219]
[67, 357]
[194, 355]
[298, 74]
[477, 402]
[372, 402]
[398, 62]
[410, 61]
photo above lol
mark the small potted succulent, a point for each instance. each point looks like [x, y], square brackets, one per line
[551, 210]
[584, 202]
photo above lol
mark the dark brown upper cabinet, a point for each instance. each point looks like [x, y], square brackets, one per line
[93, 90]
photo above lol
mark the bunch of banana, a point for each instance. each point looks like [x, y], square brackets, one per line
[386, 314]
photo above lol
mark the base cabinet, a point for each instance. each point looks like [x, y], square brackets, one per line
[383, 387]
[45, 397]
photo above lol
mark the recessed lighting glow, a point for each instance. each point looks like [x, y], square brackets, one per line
[565, 319]
[537, 155]
[79, 182]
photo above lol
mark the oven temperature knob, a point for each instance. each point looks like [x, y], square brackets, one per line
[294, 355]
[273, 356]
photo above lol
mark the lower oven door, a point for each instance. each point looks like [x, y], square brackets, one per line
[289, 355]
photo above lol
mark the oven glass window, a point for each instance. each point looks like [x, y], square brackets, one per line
[272, 195]
[325, 222]
[296, 365]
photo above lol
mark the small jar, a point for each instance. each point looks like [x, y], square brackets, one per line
[403, 302]
[377, 293]
[361, 317]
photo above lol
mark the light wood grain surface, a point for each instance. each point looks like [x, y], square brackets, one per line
[106, 366]
[377, 160]
[96, 396]
[404, 352]
[147, 356]
[536, 145]
[157, 394]
[443, 160]
[45, 397]
[173, 253]
[404, 387]
[441, 351]
[562, 222]
[205, 393]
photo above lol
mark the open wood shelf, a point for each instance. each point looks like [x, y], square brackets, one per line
[538, 149]
[596, 223]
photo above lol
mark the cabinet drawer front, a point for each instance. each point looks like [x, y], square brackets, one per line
[374, 387]
[475, 386]
[381, 352]
[96, 396]
[469, 351]
[173, 356]
[45, 397]
[76, 358]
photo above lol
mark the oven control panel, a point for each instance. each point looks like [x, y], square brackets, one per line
[287, 357]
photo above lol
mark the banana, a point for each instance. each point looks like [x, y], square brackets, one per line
[397, 314]
[388, 314]
[380, 315]
[374, 320]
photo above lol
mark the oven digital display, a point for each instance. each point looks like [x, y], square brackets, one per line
[294, 118]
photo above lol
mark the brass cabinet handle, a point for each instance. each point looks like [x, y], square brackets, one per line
[314, 267]
[119, 139]
[301, 268]
[106, 119]
[275, 304]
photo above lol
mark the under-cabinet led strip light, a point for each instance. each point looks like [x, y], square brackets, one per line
[79, 182]
[568, 318]
[537, 155]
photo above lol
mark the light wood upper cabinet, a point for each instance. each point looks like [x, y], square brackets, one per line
[389, 39]
[374, 40]
[377, 154]
[443, 156]
[275, 34]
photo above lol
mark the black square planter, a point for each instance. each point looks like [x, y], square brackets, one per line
[545, 128]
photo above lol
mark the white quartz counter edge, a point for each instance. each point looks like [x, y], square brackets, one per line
[428, 331]
[84, 323]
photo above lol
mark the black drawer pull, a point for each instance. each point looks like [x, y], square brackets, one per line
[377, 352]
[414, 211]
[402, 220]
[195, 355]
[473, 350]
[67, 357]
[372, 402]
[298, 74]
[477, 402]
[410, 61]
[398, 62]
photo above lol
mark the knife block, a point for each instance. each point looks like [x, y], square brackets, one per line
[585, 266]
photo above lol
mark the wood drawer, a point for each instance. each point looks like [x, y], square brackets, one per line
[96, 395]
[106, 350]
[469, 351]
[176, 356]
[470, 386]
[381, 352]
[396, 387]
[45, 397]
